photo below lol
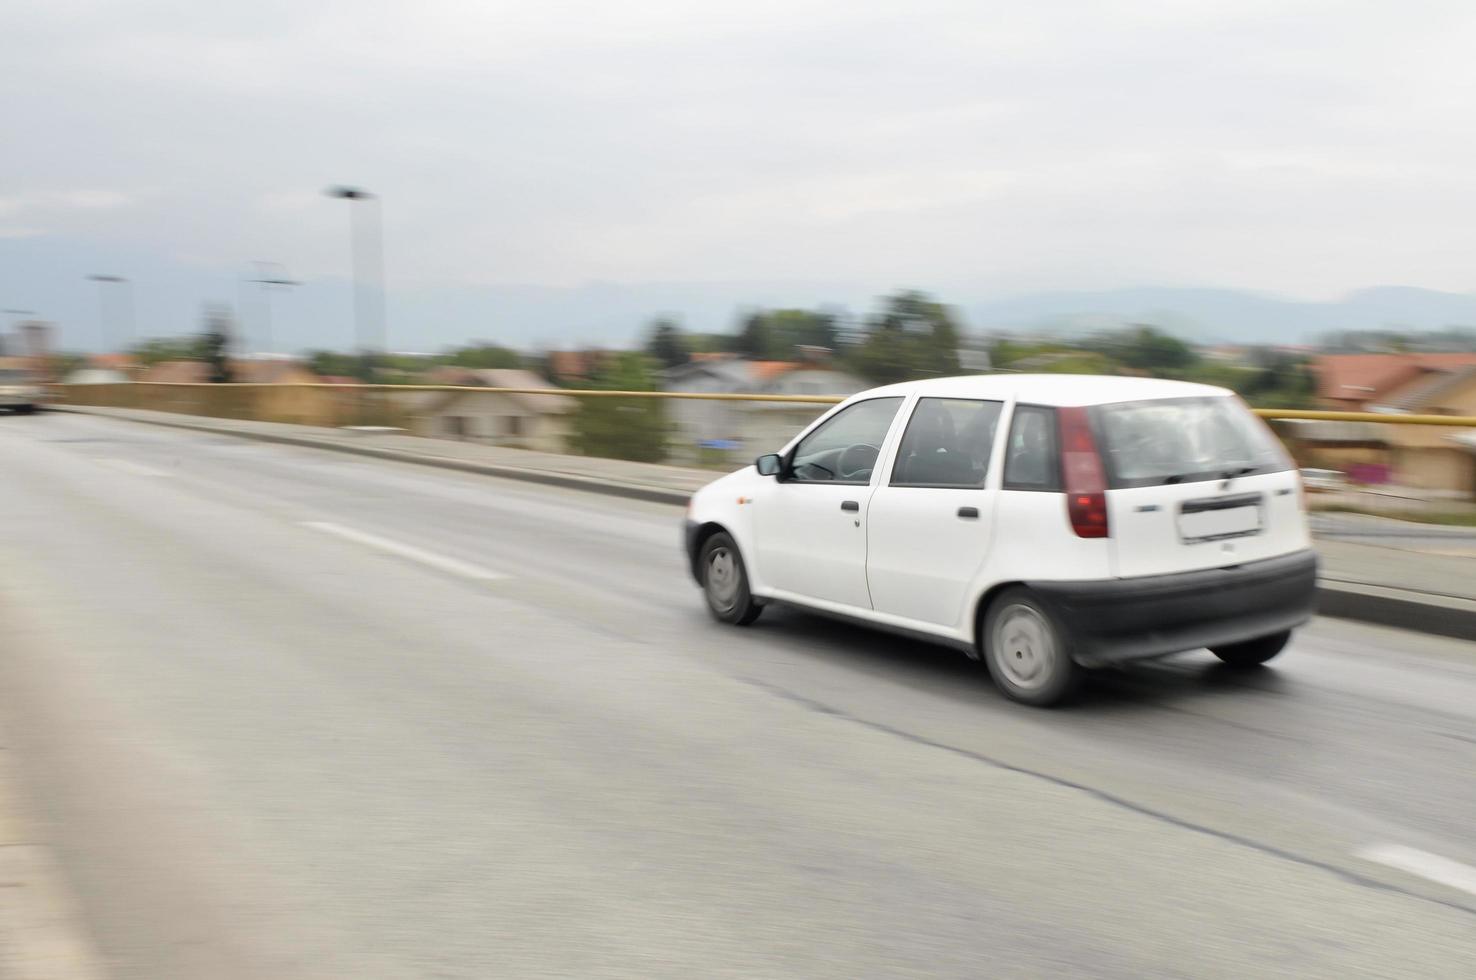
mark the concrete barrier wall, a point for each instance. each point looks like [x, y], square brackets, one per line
[331, 406]
[750, 424]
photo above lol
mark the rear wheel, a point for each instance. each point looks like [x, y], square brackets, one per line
[1027, 650]
[725, 582]
[1252, 653]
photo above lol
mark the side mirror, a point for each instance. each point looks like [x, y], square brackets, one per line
[769, 464]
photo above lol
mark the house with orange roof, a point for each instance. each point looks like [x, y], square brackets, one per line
[1428, 457]
[1355, 382]
[725, 430]
[1435, 459]
[575, 366]
[523, 418]
[123, 364]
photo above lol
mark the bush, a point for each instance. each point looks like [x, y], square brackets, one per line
[622, 428]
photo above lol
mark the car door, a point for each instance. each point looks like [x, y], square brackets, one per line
[810, 524]
[929, 525]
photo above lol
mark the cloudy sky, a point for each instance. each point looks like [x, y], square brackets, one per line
[688, 148]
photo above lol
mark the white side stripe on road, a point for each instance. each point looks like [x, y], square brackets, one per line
[1429, 866]
[453, 565]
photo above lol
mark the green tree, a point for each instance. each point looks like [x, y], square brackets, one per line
[366, 367]
[622, 428]
[1283, 381]
[484, 355]
[215, 343]
[667, 344]
[712, 343]
[774, 335]
[911, 336]
[755, 338]
[1146, 348]
[790, 329]
[157, 349]
[330, 363]
[63, 363]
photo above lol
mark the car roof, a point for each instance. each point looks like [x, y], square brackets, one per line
[1050, 389]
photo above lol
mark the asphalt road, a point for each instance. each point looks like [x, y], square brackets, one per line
[294, 714]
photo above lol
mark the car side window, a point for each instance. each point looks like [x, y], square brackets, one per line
[846, 446]
[1031, 459]
[948, 443]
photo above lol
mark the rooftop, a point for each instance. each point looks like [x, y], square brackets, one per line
[1052, 389]
[1364, 377]
[1430, 391]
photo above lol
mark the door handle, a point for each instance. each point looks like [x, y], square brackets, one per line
[850, 505]
[969, 512]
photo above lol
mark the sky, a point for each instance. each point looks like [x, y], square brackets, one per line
[684, 155]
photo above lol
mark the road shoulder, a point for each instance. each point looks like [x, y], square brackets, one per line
[43, 935]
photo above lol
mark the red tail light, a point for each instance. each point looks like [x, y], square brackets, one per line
[1082, 473]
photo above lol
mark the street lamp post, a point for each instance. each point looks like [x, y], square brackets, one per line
[269, 274]
[125, 295]
[367, 244]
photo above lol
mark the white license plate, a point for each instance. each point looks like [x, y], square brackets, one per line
[1220, 523]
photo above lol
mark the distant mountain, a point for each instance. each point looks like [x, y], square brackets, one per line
[616, 314]
[166, 298]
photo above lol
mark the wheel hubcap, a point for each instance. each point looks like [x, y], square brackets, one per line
[1024, 646]
[722, 578]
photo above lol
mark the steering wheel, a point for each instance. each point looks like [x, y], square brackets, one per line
[857, 461]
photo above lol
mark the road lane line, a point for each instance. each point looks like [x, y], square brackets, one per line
[1432, 867]
[454, 566]
[138, 469]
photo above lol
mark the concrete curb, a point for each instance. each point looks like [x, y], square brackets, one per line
[1384, 606]
[572, 481]
[1379, 605]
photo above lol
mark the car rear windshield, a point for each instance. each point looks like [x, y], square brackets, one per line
[1184, 440]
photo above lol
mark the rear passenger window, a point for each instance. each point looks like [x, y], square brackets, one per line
[948, 443]
[1031, 459]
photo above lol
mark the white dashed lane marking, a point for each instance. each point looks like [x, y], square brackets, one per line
[1431, 867]
[454, 566]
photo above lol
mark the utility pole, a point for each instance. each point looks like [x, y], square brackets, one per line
[269, 274]
[366, 240]
[125, 296]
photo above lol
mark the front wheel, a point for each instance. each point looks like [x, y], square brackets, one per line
[1252, 653]
[725, 582]
[1028, 652]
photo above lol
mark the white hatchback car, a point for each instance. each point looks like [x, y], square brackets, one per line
[1042, 523]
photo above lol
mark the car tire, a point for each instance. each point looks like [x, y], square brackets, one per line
[1253, 653]
[725, 581]
[1027, 650]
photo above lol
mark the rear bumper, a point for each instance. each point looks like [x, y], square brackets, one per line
[1129, 619]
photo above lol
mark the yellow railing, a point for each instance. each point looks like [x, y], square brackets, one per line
[238, 396]
[1458, 421]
